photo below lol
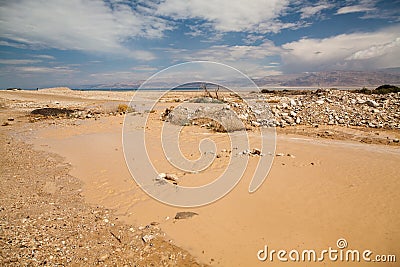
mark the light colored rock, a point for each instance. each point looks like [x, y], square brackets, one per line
[147, 238]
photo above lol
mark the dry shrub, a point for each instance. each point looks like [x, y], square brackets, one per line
[124, 108]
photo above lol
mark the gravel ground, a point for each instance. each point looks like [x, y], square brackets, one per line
[44, 220]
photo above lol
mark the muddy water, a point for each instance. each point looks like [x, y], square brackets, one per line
[328, 190]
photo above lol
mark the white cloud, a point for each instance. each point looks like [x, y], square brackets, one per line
[252, 38]
[82, 25]
[144, 68]
[248, 58]
[60, 70]
[354, 9]
[377, 51]
[309, 11]
[226, 53]
[18, 61]
[228, 15]
[344, 51]
[13, 44]
[44, 56]
[42, 70]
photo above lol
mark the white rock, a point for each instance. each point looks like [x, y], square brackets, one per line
[319, 102]
[147, 238]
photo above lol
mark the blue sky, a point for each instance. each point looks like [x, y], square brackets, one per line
[81, 42]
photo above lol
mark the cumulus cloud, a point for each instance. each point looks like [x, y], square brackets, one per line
[345, 51]
[377, 51]
[93, 26]
[227, 15]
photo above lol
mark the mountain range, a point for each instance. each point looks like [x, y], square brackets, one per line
[307, 79]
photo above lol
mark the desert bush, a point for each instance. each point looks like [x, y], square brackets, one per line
[386, 89]
[124, 108]
[364, 90]
[383, 89]
[266, 91]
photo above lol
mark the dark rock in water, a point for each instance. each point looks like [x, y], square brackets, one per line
[184, 215]
[52, 111]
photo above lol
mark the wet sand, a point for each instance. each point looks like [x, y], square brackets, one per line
[328, 190]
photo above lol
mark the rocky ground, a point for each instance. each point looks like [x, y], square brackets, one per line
[333, 113]
[336, 107]
[44, 220]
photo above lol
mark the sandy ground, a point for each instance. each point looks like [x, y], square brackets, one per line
[344, 185]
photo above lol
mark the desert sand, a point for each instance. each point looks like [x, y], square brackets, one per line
[320, 188]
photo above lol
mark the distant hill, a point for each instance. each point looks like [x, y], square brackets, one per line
[112, 86]
[333, 79]
[307, 79]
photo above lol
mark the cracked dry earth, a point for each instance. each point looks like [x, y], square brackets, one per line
[44, 220]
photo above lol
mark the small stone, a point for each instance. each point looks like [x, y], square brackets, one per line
[10, 119]
[104, 257]
[319, 102]
[147, 238]
[280, 154]
[162, 175]
[185, 215]
[171, 177]
[256, 151]
[395, 140]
